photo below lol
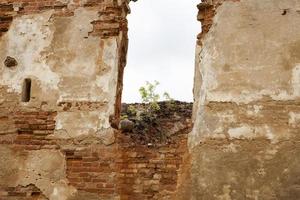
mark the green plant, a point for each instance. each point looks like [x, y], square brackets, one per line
[132, 110]
[149, 95]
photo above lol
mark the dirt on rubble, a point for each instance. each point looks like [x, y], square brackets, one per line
[157, 126]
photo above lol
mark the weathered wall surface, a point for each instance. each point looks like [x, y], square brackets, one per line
[245, 141]
[61, 145]
[34, 165]
[74, 53]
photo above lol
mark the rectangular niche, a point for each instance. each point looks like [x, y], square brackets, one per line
[26, 91]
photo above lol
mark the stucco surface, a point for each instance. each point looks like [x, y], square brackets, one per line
[74, 53]
[65, 64]
[245, 140]
[46, 169]
[250, 54]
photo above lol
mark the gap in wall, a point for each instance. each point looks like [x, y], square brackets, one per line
[162, 39]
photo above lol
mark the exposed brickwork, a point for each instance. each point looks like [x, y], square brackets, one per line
[25, 129]
[150, 172]
[21, 193]
[125, 170]
[90, 168]
[93, 170]
[110, 23]
[207, 11]
[33, 129]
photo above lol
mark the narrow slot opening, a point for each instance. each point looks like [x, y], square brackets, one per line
[26, 90]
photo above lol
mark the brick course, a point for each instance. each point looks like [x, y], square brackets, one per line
[125, 170]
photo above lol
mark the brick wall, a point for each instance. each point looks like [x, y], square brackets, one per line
[150, 172]
[109, 24]
[28, 128]
[93, 169]
[128, 169]
[29, 192]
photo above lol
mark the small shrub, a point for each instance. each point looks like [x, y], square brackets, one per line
[149, 95]
[132, 110]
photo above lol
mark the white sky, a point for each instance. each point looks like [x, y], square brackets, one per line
[162, 39]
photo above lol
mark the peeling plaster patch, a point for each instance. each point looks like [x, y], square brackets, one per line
[76, 124]
[46, 169]
[64, 1]
[61, 191]
[65, 64]
[219, 130]
[246, 98]
[259, 61]
[248, 132]
[241, 132]
[108, 80]
[294, 118]
[45, 163]
[266, 131]
[27, 37]
[296, 81]
[208, 75]
[249, 79]
[9, 166]
[61, 58]
[241, 98]
[74, 55]
[106, 136]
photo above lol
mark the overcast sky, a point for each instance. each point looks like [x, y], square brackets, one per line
[162, 38]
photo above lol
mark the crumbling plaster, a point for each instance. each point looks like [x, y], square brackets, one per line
[74, 53]
[46, 169]
[245, 139]
[65, 64]
[250, 53]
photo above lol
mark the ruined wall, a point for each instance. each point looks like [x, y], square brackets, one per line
[73, 54]
[35, 166]
[60, 143]
[245, 141]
